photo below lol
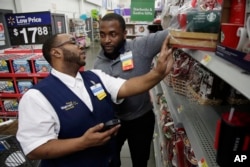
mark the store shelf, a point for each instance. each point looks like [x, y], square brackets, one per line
[9, 114]
[157, 151]
[10, 95]
[23, 75]
[159, 139]
[199, 122]
[230, 73]
[14, 83]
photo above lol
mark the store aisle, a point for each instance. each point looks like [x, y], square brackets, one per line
[91, 53]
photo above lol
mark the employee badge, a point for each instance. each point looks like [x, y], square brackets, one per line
[127, 61]
[98, 91]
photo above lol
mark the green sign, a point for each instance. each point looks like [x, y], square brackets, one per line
[142, 10]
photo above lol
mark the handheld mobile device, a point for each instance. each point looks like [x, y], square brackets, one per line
[110, 124]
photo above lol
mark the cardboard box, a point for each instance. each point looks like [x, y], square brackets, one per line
[24, 85]
[10, 104]
[42, 65]
[21, 63]
[21, 66]
[6, 86]
[4, 68]
[236, 57]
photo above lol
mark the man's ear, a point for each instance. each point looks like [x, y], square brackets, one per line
[55, 52]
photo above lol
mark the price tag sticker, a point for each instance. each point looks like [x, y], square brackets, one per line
[29, 28]
[206, 59]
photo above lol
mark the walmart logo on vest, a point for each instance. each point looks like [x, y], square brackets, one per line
[69, 105]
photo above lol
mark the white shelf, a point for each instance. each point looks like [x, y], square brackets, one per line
[230, 73]
[199, 122]
[158, 134]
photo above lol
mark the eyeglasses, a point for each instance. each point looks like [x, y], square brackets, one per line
[72, 41]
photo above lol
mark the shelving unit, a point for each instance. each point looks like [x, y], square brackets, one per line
[95, 31]
[198, 120]
[227, 71]
[34, 62]
[158, 140]
[136, 30]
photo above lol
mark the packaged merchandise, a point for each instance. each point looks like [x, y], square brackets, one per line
[6, 86]
[24, 85]
[21, 64]
[42, 65]
[193, 24]
[10, 104]
[3, 65]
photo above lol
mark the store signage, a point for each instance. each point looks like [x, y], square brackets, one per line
[28, 28]
[142, 10]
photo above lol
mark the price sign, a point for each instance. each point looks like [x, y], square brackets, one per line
[29, 28]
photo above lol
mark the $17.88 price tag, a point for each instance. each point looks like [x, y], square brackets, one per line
[29, 28]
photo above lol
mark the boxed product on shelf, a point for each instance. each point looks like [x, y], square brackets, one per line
[24, 85]
[4, 68]
[10, 104]
[4, 62]
[241, 59]
[22, 64]
[41, 65]
[6, 86]
[234, 44]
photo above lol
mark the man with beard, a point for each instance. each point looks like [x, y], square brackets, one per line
[126, 59]
[61, 117]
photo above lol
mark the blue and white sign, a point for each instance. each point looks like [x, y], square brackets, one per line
[28, 28]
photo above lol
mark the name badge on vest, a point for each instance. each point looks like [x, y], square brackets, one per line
[98, 91]
[127, 61]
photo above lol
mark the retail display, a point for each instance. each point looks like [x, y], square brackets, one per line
[201, 87]
[209, 76]
[19, 70]
[96, 35]
[193, 24]
[78, 28]
[200, 119]
[175, 147]
[135, 28]
[234, 37]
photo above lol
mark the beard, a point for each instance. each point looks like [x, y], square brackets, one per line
[116, 51]
[73, 58]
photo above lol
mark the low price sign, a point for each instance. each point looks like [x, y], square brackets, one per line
[29, 28]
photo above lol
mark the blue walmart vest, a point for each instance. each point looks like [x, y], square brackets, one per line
[75, 118]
